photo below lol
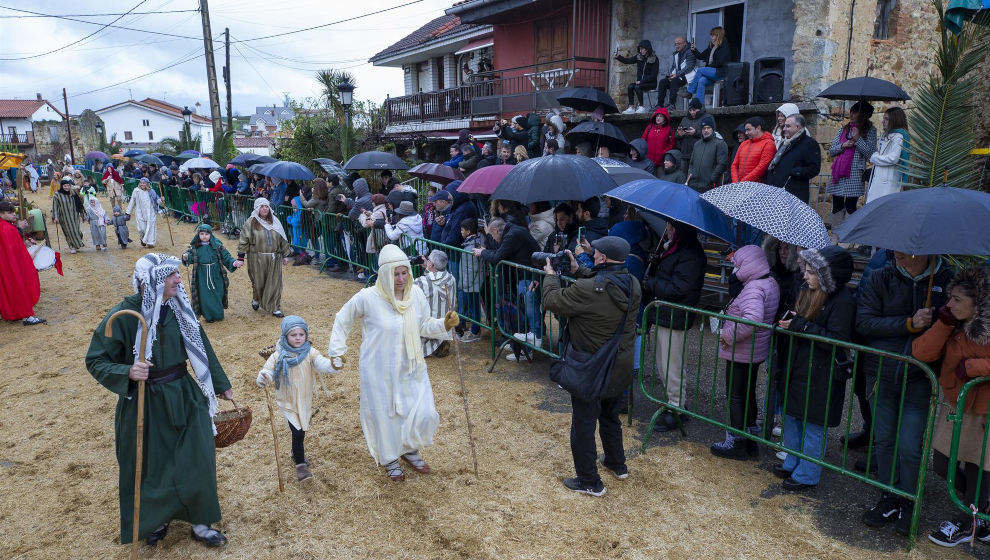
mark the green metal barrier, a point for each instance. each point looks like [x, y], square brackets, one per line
[956, 417]
[680, 372]
[518, 313]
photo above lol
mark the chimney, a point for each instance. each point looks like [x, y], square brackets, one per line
[39, 97]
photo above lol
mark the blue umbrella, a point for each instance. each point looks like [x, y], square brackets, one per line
[676, 202]
[249, 159]
[190, 153]
[288, 170]
[132, 153]
[96, 154]
[930, 221]
[556, 177]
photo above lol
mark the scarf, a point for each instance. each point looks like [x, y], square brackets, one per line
[150, 272]
[275, 225]
[842, 164]
[289, 357]
[389, 258]
[784, 146]
[97, 209]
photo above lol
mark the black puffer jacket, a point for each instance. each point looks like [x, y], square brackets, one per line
[676, 278]
[517, 245]
[647, 67]
[814, 377]
[886, 303]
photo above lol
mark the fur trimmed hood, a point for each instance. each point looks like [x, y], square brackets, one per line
[975, 281]
[833, 264]
[771, 247]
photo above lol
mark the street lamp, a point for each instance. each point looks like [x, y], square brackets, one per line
[346, 90]
[187, 118]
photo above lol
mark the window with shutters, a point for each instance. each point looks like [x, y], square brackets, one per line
[151, 135]
[145, 122]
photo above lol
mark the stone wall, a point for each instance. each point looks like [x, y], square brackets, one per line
[51, 137]
[626, 32]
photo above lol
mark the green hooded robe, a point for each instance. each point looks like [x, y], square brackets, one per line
[208, 287]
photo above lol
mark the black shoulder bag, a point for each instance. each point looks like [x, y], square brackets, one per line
[585, 375]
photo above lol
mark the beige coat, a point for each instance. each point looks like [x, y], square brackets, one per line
[295, 398]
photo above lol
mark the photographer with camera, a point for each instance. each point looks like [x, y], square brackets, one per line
[515, 131]
[600, 308]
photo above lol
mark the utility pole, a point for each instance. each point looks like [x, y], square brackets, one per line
[226, 77]
[68, 127]
[211, 72]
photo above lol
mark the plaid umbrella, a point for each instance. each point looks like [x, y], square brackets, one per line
[771, 210]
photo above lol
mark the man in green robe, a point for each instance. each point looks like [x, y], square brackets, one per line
[208, 287]
[179, 470]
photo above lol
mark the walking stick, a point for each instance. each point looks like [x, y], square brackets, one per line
[460, 374]
[167, 222]
[140, 424]
[271, 418]
[57, 241]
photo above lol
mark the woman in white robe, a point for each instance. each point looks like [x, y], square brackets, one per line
[398, 415]
[144, 209]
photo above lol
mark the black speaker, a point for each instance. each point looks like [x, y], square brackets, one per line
[768, 80]
[736, 83]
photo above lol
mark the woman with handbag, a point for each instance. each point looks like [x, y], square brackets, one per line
[813, 388]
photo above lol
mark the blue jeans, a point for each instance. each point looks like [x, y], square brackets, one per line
[531, 299]
[701, 78]
[911, 430]
[813, 445]
[469, 305]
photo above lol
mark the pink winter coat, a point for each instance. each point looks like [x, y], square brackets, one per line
[757, 301]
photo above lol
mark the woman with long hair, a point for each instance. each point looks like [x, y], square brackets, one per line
[265, 248]
[851, 148]
[713, 59]
[812, 388]
[888, 160]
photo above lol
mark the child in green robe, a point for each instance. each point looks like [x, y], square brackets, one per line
[208, 286]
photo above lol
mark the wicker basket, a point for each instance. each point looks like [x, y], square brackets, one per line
[232, 425]
[266, 351]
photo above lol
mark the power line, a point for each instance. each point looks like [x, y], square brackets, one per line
[146, 74]
[104, 26]
[382, 11]
[251, 64]
[270, 56]
[41, 15]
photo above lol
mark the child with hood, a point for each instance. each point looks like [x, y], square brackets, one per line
[659, 136]
[637, 156]
[119, 222]
[439, 286]
[208, 285]
[671, 170]
[97, 218]
[300, 236]
[293, 370]
[755, 297]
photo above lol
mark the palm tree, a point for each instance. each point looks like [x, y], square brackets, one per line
[945, 111]
[329, 79]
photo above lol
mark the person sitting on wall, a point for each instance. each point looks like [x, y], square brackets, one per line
[647, 68]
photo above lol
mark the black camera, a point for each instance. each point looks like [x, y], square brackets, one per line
[559, 260]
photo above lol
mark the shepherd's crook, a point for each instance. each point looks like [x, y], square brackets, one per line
[271, 418]
[140, 423]
[167, 210]
[460, 374]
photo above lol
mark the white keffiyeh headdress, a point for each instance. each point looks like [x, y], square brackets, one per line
[275, 225]
[149, 281]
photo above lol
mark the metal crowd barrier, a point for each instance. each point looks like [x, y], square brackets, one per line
[516, 301]
[956, 416]
[690, 350]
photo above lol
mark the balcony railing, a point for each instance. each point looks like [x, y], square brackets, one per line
[511, 90]
[17, 137]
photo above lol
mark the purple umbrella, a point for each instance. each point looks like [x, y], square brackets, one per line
[443, 174]
[485, 180]
[96, 154]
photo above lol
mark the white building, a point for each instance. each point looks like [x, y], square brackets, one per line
[259, 146]
[18, 118]
[266, 121]
[142, 124]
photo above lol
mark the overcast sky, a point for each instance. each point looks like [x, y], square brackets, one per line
[262, 71]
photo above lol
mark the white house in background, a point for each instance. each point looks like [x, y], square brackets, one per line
[257, 145]
[266, 121]
[142, 124]
[18, 118]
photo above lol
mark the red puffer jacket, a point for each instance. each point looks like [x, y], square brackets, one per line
[753, 158]
[659, 139]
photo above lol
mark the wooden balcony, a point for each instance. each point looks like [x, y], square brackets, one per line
[511, 90]
[17, 137]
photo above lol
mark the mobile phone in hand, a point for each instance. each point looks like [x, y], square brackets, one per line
[790, 314]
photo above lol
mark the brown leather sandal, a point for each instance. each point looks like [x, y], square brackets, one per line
[417, 462]
[394, 472]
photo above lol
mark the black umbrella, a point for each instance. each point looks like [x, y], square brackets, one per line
[166, 159]
[623, 175]
[149, 159]
[866, 88]
[556, 177]
[599, 134]
[375, 160]
[248, 159]
[929, 221]
[587, 99]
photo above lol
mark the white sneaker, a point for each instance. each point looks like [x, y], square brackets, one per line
[781, 455]
[469, 336]
[776, 431]
[529, 338]
[629, 110]
[642, 110]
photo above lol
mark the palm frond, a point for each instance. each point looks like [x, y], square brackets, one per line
[942, 131]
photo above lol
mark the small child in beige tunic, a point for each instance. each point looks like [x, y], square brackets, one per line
[293, 370]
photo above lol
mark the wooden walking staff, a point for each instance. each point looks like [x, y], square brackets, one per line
[460, 374]
[108, 331]
[167, 222]
[271, 418]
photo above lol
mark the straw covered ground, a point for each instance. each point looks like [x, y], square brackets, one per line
[59, 497]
